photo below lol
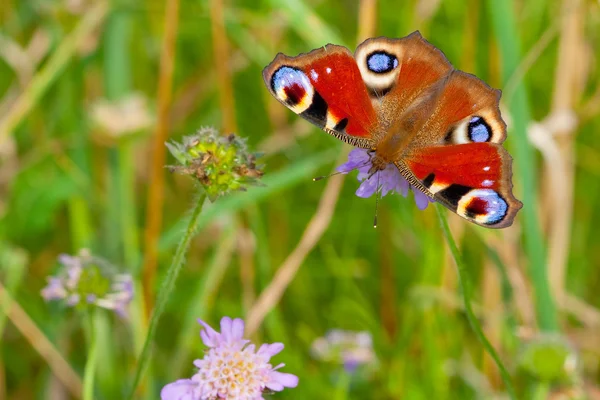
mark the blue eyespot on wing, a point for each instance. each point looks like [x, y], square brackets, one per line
[478, 130]
[485, 206]
[381, 62]
[292, 87]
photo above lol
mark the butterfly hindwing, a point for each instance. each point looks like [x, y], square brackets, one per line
[467, 110]
[457, 153]
[473, 180]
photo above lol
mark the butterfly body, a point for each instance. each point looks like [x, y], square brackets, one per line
[402, 100]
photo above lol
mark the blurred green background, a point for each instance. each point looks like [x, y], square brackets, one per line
[85, 99]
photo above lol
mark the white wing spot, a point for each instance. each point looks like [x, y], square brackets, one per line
[328, 70]
[486, 168]
[314, 74]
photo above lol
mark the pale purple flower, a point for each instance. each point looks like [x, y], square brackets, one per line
[388, 180]
[120, 295]
[55, 290]
[351, 349]
[231, 368]
[85, 281]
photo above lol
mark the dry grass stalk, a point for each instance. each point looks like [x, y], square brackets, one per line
[157, 177]
[559, 171]
[24, 324]
[221, 51]
[317, 225]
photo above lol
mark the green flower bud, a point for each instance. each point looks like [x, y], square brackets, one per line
[220, 163]
[549, 358]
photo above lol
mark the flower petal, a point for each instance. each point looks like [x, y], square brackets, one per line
[388, 179]
[54, 290]
[237, 329]
[402, 186]
[345, 168]
[270, 349]
[69, 261]
[357, 159]
[182, 389]
[421, 199]
[74, 272]
[350, 365]
[73, 299]
[210, 337]
[280, 380]
[368, 187]
[226, 333]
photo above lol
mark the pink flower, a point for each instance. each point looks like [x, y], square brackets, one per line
[351, 349]
[387, 180]
[85, 281]
[232, 368]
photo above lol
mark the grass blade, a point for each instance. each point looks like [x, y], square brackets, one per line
[466, 291]
[502, 15]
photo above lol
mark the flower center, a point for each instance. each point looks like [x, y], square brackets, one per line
[239, 374]
[377, 164]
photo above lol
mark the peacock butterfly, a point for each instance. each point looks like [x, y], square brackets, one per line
[402, 101]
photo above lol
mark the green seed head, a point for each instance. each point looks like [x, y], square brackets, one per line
[220, 163]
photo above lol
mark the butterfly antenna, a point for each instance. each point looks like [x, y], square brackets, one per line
[318, 178]
[377, 196]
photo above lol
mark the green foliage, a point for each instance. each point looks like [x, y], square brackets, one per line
[72, 176]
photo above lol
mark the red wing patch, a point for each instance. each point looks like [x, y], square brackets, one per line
[325, 87]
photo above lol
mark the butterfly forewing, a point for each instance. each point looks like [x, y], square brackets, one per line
[325, 87]
[397, 71]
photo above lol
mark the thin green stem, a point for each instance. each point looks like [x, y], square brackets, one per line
[165, 291]
[541, 391]
[343, 386]
[463, 277]
[204, 296]
[92, 357]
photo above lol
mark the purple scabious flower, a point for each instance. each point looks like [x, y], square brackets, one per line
[351, 349]
[85, 281]
[232, 368]
[389, 179]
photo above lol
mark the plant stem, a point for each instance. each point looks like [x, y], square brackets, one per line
[165, 291]
[541, 391]
[90, 364]
[342, 386]
[466, 291]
